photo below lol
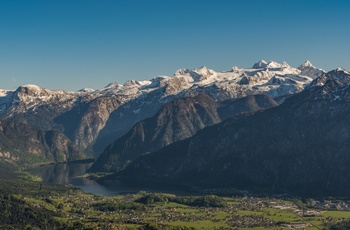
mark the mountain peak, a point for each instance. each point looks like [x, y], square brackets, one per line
[285, 64]
[33, 91]
[31, 86]
[309, 70]
[260, 64]
[307, 64]
[86, 90]
[273, 64]
[341, 69]
[339, 72]
[182, 71]
[202, 70]
[113, 85]
[132, 83]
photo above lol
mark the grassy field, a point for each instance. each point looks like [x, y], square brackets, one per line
[71, 208]
[125, 212]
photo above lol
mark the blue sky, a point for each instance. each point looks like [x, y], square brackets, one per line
[72, 44]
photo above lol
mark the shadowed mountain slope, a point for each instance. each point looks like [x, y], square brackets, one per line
[300, 147]
[175, 121]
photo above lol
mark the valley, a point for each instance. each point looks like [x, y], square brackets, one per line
[49, 206]
[258, 148]
[174, 115]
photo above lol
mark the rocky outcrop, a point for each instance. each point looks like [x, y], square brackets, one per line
[22, 144]
[83, 123]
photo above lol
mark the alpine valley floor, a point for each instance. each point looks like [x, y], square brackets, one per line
[27, 203]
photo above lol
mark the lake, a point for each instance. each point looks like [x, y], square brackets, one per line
[69, 173]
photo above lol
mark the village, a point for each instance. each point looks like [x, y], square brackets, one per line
[132, 211]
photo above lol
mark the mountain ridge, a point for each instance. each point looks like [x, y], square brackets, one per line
[298, 147]
[136, 100]
[175, 121]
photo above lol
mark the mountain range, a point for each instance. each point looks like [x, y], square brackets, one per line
[270, 128]
[93, 119]
[175, 121]
[299, 147]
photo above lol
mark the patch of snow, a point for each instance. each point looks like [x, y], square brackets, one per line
[309, 70]
[131, 83]
[182, 71]
[144, 83]
[30, 86]
[273, 64]
[341, 69]
[3, 93]
[202, 70]
[271, 77]
[259, 65]
[112, 85]
[86, 90]
[285, 65]
[307, 64]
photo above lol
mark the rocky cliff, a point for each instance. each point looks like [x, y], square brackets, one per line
[22, 144]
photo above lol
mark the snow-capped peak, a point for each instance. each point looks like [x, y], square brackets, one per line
[341, 69]
[202, 70]
[32, 87]
[182, 71]
[273, 64]
[309, 70]
[307, 64]
[194, 75]
[257, 79]
[32, 90]
[259, 65]
[112, 85]
[285, 65]
[86, 90]
[131, 83]
[3, 92]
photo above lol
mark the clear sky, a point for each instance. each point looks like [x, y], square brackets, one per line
[73, 44]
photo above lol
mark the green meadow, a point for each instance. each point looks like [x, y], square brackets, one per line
[27, 203]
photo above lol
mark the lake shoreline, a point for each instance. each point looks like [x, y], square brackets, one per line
[82, 161]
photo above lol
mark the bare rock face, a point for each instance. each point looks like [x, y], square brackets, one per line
[22, 144]
[94, 121]
[84, 122]
[175, 121]
[175, 84]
